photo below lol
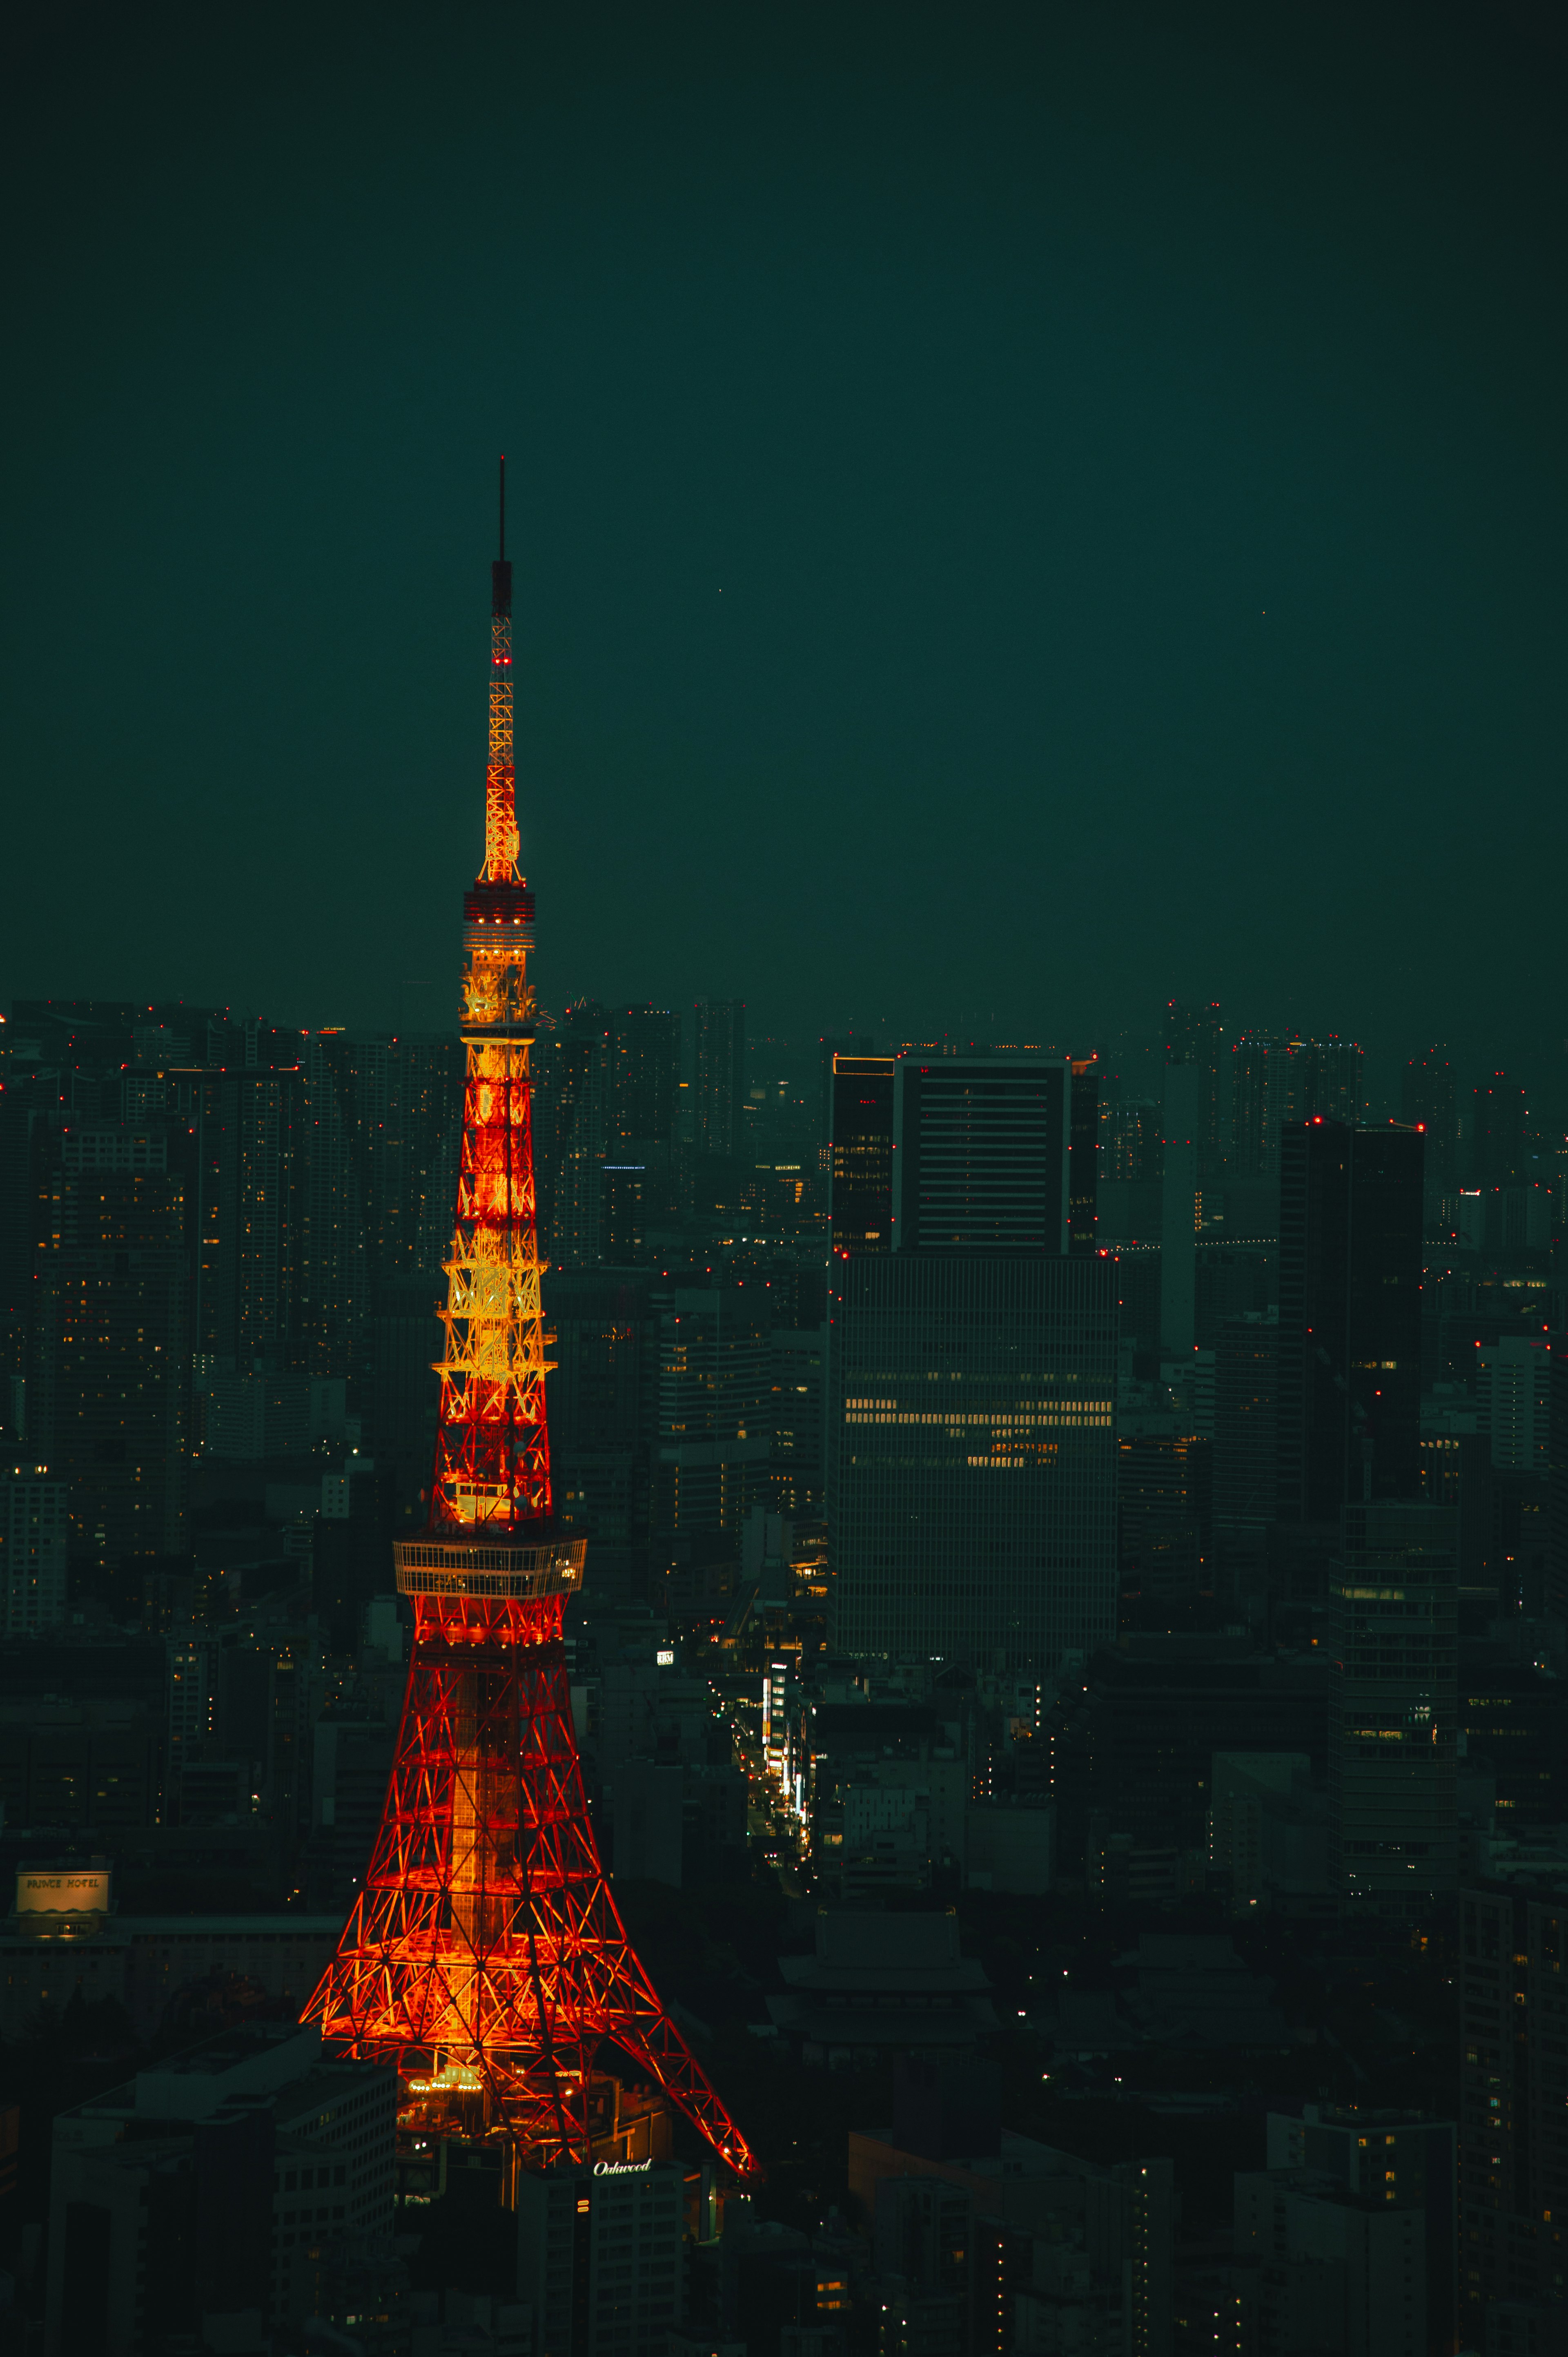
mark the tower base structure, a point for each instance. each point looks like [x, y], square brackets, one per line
[485, 1957]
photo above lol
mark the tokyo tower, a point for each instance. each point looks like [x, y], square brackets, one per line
[485, 1957]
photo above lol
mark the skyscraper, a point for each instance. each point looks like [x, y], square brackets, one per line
[1428, 1102]
[1350, 1325]
[862, 1149]
[1280, 1081]
[972, 1481]
[1513, 2154]
[981, 1153]
[1194, 1036]
[574, 1134]
[1084, 1156]
[1184, 1105]
[1393, 1606]
[720, 1074]
[115, 1342]
[970, 1456]
[1499, 1122]
[646, 1073]
[1256, 1090]
[35, 1546]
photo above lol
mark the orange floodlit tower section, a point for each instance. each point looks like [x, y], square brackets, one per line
[485, 1957]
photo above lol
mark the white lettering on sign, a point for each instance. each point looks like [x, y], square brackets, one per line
[621, 2168]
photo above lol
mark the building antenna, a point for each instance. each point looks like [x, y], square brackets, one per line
[501, 552]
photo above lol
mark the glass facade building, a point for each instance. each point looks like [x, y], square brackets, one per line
[971, 1472]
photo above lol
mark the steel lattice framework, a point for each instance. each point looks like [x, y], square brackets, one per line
[485, 1956]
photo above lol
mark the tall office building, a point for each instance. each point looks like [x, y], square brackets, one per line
[1513, 2150]
[970, 1459]
[720, 1074]
[1256, 1089]
[644, 1074]
[1193, 1036]
[714, 1408]
[972, 1464]
[339, 1167]
[35, 1545]
[1393, 1602]
[1277, 1082]
[1178, 1210]
[1557, 1481]
[602, 1409]
[114, 1352]
[1084, 1156]
[979, 1162]
[1499, 1123]
[1428, 1102]
[599, 2257]
[861, 1153]
[1349, 1322]
[1246, 1447]
[829, 1050]
[251, 1309]
[573, 1133]
[424, 1120]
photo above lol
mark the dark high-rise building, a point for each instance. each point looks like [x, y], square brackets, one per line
[252, 1309]
[720, 1074]
[602, 1409]
[1393, 1606]
[1349, 1324]
[1513, 2148]
[980, 1160]
[1499, 1123]
[862, 1147]
[1277, 1082]
[972, 1456]
[1557, 1481]
[1194, 1036]
[424, 1120]
[340, 1173]
[1257, 1088]
[1084, 1156]
[1178, 1211]
[1164, 1503]
[573, 1134]
[829, 1051]
[1246, 1443]
[404, 1343]
[713, 1408]
[1428, 1102]
[644, 1074]
[114, 1344]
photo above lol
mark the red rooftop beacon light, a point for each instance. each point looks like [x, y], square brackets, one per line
[485, 1957]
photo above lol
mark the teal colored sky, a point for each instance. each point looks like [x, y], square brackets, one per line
[1014, 510]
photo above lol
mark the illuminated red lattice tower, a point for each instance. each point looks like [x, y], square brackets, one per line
[485, 1956]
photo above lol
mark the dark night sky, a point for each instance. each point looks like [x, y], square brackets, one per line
[1015, 510]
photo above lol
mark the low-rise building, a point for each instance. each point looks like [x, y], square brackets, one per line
[217, 2185]
[880, 1982]
[62, 1938]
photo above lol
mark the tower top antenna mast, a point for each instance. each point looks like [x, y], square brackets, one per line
[500, 784]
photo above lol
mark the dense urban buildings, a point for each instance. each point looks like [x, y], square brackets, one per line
[1048, 1572]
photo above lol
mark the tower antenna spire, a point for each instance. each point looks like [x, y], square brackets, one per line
[501, 838]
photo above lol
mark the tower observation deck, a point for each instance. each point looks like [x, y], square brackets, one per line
[485, 1957]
